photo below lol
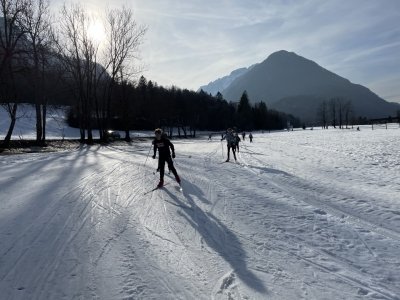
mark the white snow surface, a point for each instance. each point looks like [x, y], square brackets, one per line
[302, 215]
[56, 124]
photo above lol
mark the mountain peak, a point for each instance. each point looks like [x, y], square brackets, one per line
[295, 81]
[222, 83]
[283, 56]
[282, 53]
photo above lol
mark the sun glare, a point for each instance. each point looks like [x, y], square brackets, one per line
[96, 31]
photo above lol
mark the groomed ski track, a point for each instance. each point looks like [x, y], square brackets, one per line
[294, 218]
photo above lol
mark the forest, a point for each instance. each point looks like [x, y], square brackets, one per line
[146, 106]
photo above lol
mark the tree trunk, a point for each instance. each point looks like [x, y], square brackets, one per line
[39, 129]
[44, 111]
[13, 116]
[127, 136]
[184, 131]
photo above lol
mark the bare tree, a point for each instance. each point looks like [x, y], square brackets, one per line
[323, 114]
[340, 111]
[37, 24]
[333, 109]
[11, 54]
[348, 112]
[124, 36]
[79, 55]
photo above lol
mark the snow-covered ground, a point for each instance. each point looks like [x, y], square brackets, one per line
[56, 127]
[56, 124]
[303, 215]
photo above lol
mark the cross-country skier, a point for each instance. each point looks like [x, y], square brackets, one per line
[230, 142]
[237, 141]
[163, 144]
[163, 135]
[251, 137]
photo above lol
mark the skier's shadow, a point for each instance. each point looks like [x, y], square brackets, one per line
[270, 171]
[218, 237]
[194, 190]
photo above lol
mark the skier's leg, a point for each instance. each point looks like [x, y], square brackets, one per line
[234, 152]
[171, 166]
[161, 162]
[229, 150]
[158, 166]
[173, 170]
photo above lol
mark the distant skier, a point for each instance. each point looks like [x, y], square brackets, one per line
[163, 144]
[209, 137]
[251, 137]
[230, 142]
[237, 141]
[243, 135]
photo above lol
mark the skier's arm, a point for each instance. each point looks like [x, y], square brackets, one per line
[172, 148]
[154, 149]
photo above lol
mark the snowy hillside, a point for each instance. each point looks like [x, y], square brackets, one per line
[303, 215]
[56, 127]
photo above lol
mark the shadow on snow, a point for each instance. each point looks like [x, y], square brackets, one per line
[218, 237]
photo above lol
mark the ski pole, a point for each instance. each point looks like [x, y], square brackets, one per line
[147, 156]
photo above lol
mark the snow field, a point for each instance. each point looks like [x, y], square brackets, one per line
[302, 215]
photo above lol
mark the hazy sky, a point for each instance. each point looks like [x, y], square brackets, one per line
[192, 42]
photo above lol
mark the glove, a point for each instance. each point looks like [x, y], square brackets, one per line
[154, 156]
[173, 155]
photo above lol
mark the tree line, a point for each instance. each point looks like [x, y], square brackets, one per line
[146, 105]
[47, 62]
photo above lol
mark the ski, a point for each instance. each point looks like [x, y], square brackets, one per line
[222, 162]
[156, 188]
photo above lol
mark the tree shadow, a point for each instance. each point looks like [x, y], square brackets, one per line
[42, 211]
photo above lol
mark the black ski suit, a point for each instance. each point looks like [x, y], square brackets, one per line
[164, 155]
[230, 143]
[237, 139]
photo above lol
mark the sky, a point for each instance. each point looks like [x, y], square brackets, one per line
[190, 43]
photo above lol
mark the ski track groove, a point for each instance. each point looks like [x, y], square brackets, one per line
[387, 294]
[159, 197]
[52, 211]
[98, 193]
[55, 245]
[46, 218]
[354, 219]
